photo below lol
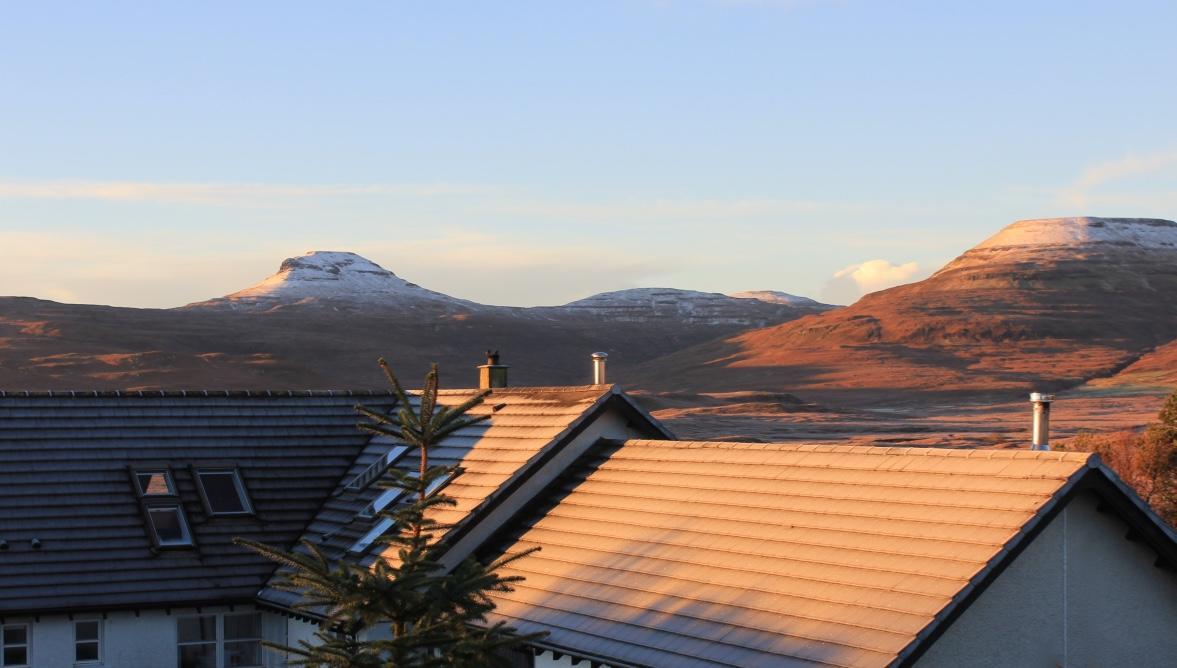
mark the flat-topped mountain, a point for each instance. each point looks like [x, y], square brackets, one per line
[337, 279]
[1048, 303]
[778, 297]
[347, 281]
[322, 319]
[690, 306]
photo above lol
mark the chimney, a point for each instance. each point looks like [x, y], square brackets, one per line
[599, 360]
[1041, 420]
[492, 374]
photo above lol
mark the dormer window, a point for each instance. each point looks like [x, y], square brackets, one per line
[223, 492]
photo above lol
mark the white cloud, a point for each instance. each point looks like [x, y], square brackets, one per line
[847, 285]
[1080, 193]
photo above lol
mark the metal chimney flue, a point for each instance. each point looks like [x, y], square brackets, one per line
[492, 374]
[599, 360]
[1041, 438]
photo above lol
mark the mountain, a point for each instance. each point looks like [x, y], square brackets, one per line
[1042, 304]
[337, 279]
[648, 305]
[323, 319]
[777, 297]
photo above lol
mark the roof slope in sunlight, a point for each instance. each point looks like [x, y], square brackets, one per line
[523, 421]
[733, 554]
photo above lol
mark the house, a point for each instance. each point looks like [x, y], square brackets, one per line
[670, 553]
[117, 512]
[118, 509]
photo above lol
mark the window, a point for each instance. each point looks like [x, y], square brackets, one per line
[169, 526]
[15, 646]
[197, 638]
[155, 483]
[223, 492]
[384, 524]
[243, 640]
[228, 640]
[86, 641]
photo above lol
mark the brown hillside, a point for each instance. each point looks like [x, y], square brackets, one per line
[1044, 304]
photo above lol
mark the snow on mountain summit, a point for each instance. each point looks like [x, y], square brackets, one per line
[776, 297]
[336, 278]
[692, 306]
[1082, 231]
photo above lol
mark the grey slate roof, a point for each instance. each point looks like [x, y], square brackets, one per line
[64, 480]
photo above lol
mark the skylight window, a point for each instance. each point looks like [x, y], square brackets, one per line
[155, 483]
[168, 526]
[223, 492]
[381, 527]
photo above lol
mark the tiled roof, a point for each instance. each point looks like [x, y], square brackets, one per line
[65, 481]
[667, 553]
[523, 422]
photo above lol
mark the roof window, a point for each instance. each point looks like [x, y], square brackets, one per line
[223, 492]
[155, 483]
[169, 528]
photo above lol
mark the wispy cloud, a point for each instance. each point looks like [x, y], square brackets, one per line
[1080, 193]
[848, 284]
[220, 194]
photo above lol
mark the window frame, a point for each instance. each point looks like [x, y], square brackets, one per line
[219, 640]
[148, 470]
[238, 484]
[27, 644]
[96, 641]
[187, 539]
[156, 502]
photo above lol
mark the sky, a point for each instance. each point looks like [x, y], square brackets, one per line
[526, 153]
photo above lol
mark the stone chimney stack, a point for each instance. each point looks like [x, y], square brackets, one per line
[492, 374]
[1041, 402]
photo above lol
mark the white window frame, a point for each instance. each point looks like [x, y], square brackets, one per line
[238, 484]
[97, 641]
[219, 640]
[27, 645]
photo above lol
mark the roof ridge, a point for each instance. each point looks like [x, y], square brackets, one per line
[878, 450]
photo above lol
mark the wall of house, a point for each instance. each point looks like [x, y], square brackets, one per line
[1079, 595]
[127, 640]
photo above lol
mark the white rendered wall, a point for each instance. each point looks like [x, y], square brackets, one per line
[1079, 595]
[147, 640]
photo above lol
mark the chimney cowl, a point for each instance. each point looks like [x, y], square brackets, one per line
[1040, 436]
[599, 360]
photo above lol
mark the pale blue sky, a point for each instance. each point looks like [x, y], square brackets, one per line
[157, 153]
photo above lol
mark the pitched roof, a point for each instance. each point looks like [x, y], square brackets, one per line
[524, 424]
[729, 554]
[64, 480]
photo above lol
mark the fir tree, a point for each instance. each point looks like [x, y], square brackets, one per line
[434, 617]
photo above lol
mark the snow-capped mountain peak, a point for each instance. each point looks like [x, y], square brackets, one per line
[776, 297]
[334, 278]
[1085, 231]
